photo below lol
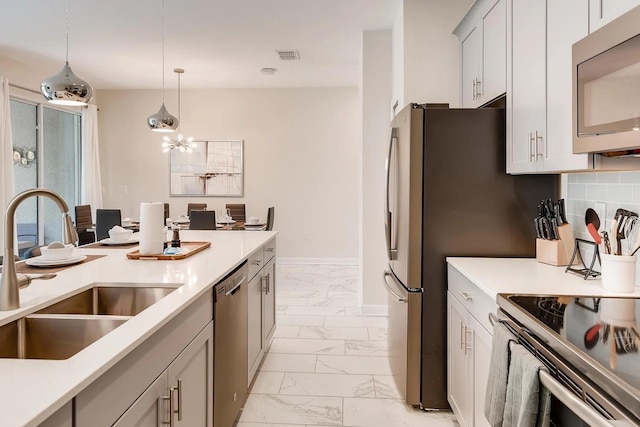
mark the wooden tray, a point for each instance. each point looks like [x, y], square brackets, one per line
[189, 248]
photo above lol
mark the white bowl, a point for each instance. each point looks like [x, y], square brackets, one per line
[56, 253]
[120, 235]
[253, 220]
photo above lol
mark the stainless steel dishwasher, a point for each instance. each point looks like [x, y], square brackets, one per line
[230, 347]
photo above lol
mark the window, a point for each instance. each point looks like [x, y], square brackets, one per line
[54, 136]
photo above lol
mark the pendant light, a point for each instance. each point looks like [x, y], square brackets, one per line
[65, 88]
[162, 121]
[180, 143]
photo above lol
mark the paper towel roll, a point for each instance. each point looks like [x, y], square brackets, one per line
[152, 235]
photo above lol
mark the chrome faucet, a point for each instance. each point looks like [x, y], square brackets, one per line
[9, 282]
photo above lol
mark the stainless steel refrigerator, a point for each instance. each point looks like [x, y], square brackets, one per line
[447, 195]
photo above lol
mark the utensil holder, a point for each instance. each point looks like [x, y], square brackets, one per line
[619, 272]
[556, 252]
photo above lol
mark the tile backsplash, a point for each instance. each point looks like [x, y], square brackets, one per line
[615, 189]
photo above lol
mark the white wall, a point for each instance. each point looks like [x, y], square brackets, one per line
[376, 93]
[301, 151]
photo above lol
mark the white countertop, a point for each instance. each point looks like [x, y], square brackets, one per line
[32, 390]
[527, 276]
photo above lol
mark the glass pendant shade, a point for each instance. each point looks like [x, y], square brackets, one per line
[65, 88]
[162, 121]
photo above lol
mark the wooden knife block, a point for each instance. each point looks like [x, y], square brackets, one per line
[556, 252]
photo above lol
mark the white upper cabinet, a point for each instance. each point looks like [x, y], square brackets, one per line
[494, 49]
[526, 87]
[471, 68]
[483, 46]
[567, 22]
[539, 97]
[602, 12]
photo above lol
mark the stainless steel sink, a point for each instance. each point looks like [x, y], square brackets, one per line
[53, 336]
[63, 329]
[111, 300]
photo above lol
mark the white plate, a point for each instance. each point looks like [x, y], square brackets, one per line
[246, 224]
[110, 242]
[41, 262]
[222, 221]
[181, 221]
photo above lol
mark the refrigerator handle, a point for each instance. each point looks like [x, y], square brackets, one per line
[392, 252]
[401, 299]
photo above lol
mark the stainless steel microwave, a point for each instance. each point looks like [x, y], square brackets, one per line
[606, 89]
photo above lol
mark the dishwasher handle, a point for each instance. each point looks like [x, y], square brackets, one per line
[235, 287]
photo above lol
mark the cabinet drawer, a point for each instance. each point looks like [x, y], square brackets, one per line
[269, 250]
[255, 263]
[478, 303]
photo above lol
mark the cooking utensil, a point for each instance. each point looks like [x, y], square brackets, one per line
[631, 234]
[594, 233]
[591, 217]
[614, 232]
[607, 244]
[592, 335]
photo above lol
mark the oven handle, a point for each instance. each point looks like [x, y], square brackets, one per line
[576, 405]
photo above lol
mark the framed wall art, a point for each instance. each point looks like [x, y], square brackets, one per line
[212, 168]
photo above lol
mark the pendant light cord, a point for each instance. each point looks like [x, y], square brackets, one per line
[163, 55]
[67, 35]
[178, 102]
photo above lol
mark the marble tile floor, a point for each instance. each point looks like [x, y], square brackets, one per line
[327, 365]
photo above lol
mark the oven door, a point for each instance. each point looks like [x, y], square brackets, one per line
[575, 401]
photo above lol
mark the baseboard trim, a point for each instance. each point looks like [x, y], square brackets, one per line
[373, 310]
[327, 261]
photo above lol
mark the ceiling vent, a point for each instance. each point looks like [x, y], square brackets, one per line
[288, 55]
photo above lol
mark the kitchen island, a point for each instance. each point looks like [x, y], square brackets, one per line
[33, 390]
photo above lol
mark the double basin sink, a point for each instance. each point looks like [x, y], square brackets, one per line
[65, 328]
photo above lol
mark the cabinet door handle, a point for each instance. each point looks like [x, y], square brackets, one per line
[171, 410]
[478, 91]
[263, 279]
[474, 89]
[270, 249]
[532, 140]
[467, 341]
[256, 262]
[268, 283]
[462, 335]
[536, 138]
[601, 9]
[466, 295]
[179, 390]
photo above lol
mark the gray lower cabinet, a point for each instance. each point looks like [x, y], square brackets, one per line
[177, 359]
[62, 418]
[469, 335]
[254, 322]
[268, 303]
[182, 392]
[262, 306]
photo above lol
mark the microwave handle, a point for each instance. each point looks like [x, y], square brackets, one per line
[392, 252]
[576, 405]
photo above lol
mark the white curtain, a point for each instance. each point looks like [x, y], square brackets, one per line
[91, 183]
[7, 186]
